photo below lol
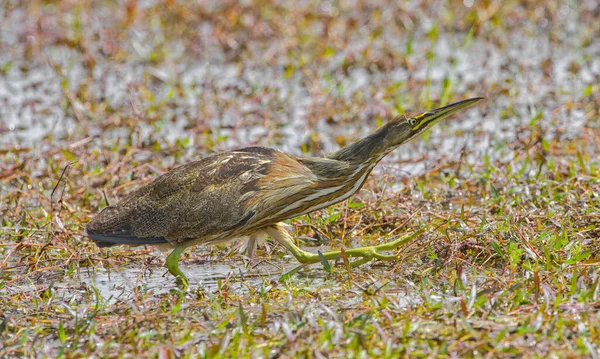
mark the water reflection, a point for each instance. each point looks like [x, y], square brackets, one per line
[118, 284]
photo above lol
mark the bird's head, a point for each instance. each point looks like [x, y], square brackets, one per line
[395, 133]
[403, 128]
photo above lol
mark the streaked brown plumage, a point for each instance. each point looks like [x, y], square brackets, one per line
[248, 192]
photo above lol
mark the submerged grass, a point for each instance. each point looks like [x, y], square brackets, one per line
[100, 97]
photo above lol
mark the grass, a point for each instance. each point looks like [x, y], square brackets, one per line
[100, 97]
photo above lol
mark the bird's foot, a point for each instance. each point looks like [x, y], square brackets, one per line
[172, 264]
[182, 282]
[363, 254]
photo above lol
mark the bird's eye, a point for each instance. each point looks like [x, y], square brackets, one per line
[412, 121]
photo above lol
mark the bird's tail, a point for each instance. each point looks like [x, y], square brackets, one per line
[109, 228]
[109, 239]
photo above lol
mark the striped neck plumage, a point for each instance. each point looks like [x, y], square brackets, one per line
[366, 151]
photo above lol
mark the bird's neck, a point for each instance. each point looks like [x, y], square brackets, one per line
[369, 149]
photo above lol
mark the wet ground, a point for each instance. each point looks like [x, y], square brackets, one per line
[97, 98]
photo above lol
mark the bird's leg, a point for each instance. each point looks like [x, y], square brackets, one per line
[281, 236]
[173, 266]
[365, 254]
[251, 245]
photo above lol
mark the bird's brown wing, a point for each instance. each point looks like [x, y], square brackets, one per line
[216, 196]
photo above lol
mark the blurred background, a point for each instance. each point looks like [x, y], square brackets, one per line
[87, 79]
[100, 97]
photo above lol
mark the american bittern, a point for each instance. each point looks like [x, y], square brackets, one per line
[250, 191]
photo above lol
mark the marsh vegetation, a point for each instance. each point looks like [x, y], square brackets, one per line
[99, 97]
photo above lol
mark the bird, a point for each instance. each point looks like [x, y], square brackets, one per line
[249, 192]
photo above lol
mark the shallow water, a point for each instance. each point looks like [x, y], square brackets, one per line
[522, 70]
[32, 97]
[114, 284]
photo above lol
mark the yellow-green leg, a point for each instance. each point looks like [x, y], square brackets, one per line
[173, 266]
[365, 254]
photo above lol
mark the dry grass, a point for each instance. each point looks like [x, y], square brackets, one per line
[98, 98]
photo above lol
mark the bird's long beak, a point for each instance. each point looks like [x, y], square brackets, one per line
[432, 117]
